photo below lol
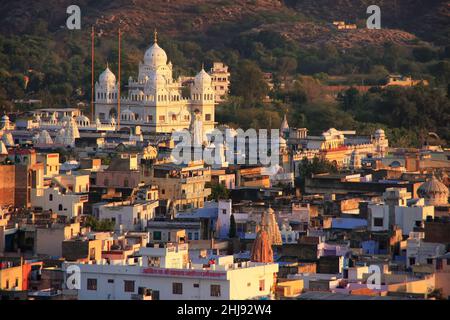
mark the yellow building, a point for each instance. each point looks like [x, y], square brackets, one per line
[10, 277]
[404, 81]
[183, 185]
[289, 289]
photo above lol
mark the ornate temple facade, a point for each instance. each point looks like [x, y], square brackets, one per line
[154, 100]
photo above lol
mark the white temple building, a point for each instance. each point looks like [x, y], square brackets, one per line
[154, 100]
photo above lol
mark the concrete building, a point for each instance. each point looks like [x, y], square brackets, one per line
[49, 239]
[220, 77]
[419, 252]
[64, 194]
[183, 185]
[165, 273]
[129, 215]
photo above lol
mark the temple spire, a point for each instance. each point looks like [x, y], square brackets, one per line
[155, 36]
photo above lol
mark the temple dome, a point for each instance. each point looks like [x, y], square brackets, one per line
[155, 56]
[202, 79]
[107, 77]
[434, 192]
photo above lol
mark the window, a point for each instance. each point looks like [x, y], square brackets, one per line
[262, 285]
[224, 211]
[50, 197]
[156, 235]
[60, 207]
[207, 117]
[429, 261]
[378, 222]
[92, 253]
[92, 284]
[128, 286]
[196, 285]
[162, 118]
[110, 280]
[215, 290]
[177, 288]
[174, 117]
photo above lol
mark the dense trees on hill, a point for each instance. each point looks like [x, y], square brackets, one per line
[54, 66]
[418, 109]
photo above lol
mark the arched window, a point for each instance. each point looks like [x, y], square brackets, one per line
[50, 197]
[60, 207]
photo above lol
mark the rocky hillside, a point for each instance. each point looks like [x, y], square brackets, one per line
[308, 21]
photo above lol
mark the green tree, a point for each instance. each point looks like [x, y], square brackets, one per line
[99, 225]
[232, 233]
[248, 82]
[307, 168]
[219, 191]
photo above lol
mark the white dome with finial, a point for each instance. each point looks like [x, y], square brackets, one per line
[107, 77]
[202, 79]
[155, 56]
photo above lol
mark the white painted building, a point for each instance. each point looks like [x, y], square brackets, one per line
[128, 216]
[378, 217]
[410, 213]
[170, 277]
[419, 252]
[414, 215]
[64, 194]
[155, 100]
[223, 218]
